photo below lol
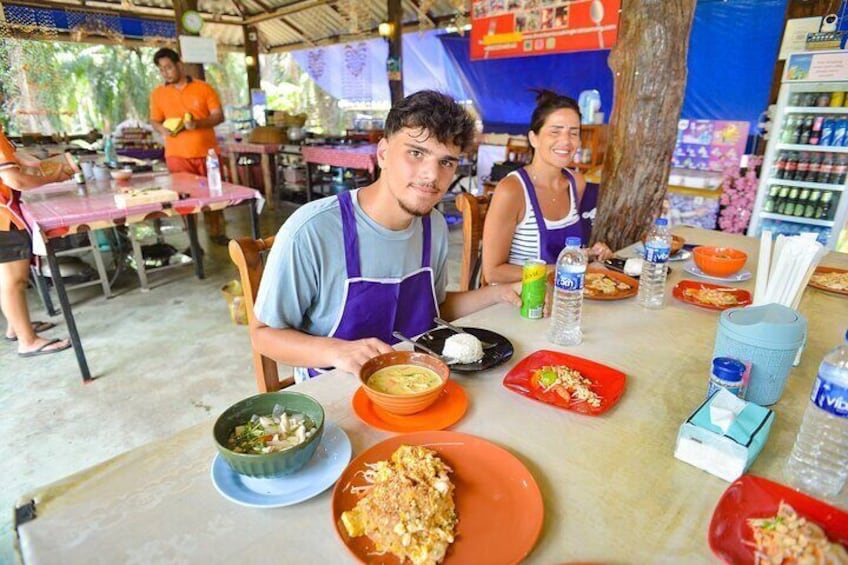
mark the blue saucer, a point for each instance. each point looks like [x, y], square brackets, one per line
[736, 277]
[330, 459]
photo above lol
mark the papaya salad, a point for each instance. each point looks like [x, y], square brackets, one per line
[787, 538]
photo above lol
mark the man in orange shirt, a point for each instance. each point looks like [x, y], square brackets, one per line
[198, 106]
[15, 253]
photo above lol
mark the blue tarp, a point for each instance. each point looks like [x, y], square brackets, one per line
[66, 19]
[732, 52]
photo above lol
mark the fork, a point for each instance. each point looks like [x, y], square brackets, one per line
[455, 329]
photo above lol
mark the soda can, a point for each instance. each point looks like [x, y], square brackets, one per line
[534, 281]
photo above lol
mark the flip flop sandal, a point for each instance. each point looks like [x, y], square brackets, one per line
[37, 327]
[42, 351]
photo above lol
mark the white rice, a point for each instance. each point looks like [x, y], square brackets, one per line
[465, 348]
[633, 266]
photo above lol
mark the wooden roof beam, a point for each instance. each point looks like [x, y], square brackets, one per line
[286, 10]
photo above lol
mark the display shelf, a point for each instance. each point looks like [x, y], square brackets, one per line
[816, 110]
[812, 148]
[805, 184]
[797, 219]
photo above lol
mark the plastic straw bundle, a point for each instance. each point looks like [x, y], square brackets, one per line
[785, 266]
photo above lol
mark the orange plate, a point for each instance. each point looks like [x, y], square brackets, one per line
[743, 297]
[755, 497]
[498, 502]
[823, 270]
[448, 409]
[620, 277]
[608, 383]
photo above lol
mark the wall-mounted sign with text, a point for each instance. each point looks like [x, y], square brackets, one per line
[518, 28]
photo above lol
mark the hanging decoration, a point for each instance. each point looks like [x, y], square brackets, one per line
[315, 63]
[156, 33]
[356, 80]
[85, 24]
[424, 21]
[34, 23]
[460, 19]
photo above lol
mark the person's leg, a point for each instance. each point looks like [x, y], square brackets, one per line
[14, 276]
[214, 220]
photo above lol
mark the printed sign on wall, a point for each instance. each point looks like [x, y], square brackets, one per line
[709, 145]
[518, 28]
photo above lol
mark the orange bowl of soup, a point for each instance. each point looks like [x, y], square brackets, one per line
[719, 261]
[404, 382]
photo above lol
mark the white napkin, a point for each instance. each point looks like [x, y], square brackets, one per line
[724, 409]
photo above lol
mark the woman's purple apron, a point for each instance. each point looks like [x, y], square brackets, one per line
[551, 241]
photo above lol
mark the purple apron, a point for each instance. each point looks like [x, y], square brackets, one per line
[552, 241]
[378, 307]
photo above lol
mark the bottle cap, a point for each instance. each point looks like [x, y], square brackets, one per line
[728, 369]
[661, 222]
[573, 242]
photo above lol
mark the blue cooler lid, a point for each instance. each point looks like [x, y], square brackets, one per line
[728, 369]
[772, 326]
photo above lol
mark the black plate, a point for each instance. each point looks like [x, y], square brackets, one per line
[492, 357]
[616, 264]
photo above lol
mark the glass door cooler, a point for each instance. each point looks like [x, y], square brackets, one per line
[805, 167]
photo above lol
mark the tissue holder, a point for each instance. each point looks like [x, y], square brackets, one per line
[727, 456]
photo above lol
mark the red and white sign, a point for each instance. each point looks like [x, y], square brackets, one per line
[518, 28]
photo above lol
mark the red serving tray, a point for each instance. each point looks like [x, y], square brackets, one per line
[755, 497]
[743, 297]
[608, 383]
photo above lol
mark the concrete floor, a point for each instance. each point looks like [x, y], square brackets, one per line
[163, 360]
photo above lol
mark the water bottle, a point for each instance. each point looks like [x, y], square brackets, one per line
[110, 154]
[568, 295]
[819, 460]
[213, 173]
[655, 266]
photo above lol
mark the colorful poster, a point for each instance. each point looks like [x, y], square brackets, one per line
[709, 145]
[518, 28]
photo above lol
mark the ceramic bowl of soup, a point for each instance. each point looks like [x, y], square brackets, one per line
[719, 261]
[261, 448]
[404, 382]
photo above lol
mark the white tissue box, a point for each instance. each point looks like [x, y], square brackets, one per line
[725, 454]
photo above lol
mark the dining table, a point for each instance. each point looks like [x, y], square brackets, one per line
[363, 157]
[612, 490]
[58, 210]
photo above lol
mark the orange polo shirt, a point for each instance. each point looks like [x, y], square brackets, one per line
[9, 199]
[197, 98]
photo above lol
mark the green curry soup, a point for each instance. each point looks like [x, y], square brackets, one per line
[404, 379]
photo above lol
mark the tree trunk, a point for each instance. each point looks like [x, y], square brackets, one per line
[649, 64]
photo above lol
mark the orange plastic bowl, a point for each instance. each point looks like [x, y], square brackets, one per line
[719, 261]
[404, 404]
[676, 242]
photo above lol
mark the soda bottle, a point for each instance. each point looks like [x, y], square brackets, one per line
[823, 208]
[568, 295]
[812, 204]
[815, 131]
[772, 198]
[779, 165]
[803, 167]
[805, 130]
[838, 176]
[790, 125]
[827, 131]
[801, 204]
[213, 173]
[655, 267]
[817, 463]
[789, 210]
[795, 99]
[782, 197]
[839, 132]
[826, 168]
[823, 99]
[791, 166]
[814, 168]
[837, 99]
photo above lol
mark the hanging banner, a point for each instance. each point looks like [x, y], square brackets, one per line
[518, 28]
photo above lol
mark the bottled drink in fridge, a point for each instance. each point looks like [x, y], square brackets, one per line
[826, 168]
[815, 167]
[819, 460]
[803, 167]
[568, 295]
[815, 132]
[655, 267]
[213, 173]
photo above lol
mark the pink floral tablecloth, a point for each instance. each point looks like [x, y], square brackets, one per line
[359, 157]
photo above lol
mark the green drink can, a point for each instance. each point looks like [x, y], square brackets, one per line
[534, 282]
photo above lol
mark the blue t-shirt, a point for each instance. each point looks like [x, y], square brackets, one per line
[303, 283]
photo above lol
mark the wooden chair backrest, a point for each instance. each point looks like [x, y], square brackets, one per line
[518, 150]
[246, 253]
[473, 209]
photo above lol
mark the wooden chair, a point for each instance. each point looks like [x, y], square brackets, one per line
[246, 253]
[473, 209]
[518, 150]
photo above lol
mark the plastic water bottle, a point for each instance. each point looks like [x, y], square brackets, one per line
[655, 266]
[110, 154]
[819, 459]
[213, 173]
[568, 295]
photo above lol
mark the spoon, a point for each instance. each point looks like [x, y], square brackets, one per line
[447, 360]
[451, 327]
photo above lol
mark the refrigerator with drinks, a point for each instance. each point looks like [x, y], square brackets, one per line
[805, 167]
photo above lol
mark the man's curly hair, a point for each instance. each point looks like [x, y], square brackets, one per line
[436, 113]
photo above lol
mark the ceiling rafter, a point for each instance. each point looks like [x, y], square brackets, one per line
[289, 9]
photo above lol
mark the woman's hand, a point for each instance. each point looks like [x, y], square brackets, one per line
[600, 251]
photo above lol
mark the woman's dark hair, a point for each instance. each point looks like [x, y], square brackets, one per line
[166, 53]
[435, 112]
[547, 102]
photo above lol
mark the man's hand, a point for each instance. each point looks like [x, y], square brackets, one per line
[351, 355]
